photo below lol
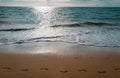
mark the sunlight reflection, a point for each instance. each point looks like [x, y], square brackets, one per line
[45, 15]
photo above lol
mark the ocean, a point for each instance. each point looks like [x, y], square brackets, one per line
[21, 27]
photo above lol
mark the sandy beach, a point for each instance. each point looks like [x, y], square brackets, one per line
[77, 65]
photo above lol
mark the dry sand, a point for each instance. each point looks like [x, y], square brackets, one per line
[57, 66]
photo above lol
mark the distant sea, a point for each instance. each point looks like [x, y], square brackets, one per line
[85, 26]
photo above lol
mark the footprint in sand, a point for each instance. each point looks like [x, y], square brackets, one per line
[7, 68]
[117, 69]
[44, 68]
[25, 70]
[82, 70]
[63, 71]
[102, 72]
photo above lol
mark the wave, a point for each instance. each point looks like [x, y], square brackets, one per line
[97, 23]
[84, 23]
[4, 22]
[68, 25]
[19, 29]
[37, 38]
[18, 21]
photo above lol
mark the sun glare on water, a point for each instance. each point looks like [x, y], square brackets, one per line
[46, 16]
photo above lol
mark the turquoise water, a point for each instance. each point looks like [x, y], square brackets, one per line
[20, 26]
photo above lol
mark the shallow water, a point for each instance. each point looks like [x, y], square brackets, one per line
[72, 25]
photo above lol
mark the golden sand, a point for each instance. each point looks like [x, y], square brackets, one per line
[58, 66]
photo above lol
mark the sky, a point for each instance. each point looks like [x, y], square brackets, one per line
[82, 3]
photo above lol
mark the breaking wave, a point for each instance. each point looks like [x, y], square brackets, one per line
[84, 23]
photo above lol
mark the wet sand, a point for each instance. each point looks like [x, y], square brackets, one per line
[78, 65]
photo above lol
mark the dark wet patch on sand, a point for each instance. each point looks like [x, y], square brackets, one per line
[44, 68]
[117, 69]
[25, 70]
[7, 68]
[102, 72]
[63, 71]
